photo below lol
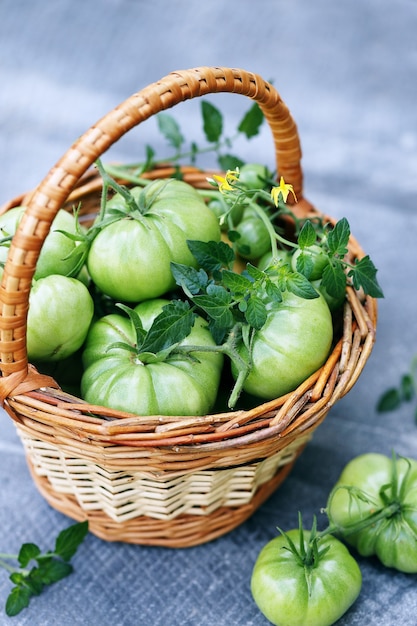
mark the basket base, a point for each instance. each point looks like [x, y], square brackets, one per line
[182, 532]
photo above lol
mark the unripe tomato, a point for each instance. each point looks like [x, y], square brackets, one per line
[60, 313]
[254, 240]
[310, 261]
[293, 343]
[253, 175]
[290, 594]
[130, 259]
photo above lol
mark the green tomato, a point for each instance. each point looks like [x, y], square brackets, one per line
[253, 175]
[60, 313]
[290, 594]
[130, 259]
[310, 261]
[58, 251]
[333, 303]
[393, 539]
[220, 208]
[265, 261]
[117, 378]
[254, 240]
[292, 344]
[55, 254]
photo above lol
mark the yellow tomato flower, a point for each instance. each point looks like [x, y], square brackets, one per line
[225, 183]
[284, 189]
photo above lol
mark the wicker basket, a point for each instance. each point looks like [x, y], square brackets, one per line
[171, 481]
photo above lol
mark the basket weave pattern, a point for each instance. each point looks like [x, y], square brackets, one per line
[174, 481]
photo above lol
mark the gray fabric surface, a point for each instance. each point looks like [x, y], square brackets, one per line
[348, 72]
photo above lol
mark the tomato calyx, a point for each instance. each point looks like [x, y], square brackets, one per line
[157, 343]
[392, 495]
[308, 553]
[85, 237]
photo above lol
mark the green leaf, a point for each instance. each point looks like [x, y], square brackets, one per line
[273, 292]
[236, 282]
[256, 313]
[229, 162]
[254, 272]
[305, 264]
[170, 129]
[170, 327]
[251, 121]
[27, 552]
[140, 332]
[149, 158]
[334, 280]
[307, 236]
[216, 303]
[217, 331]
[211, 255]
[389, 401]
[363, 275]
[407, 387]
[54, 571]
[34, 579]
[70, 539]
[300, 286]
[191, 280]
[18, 600]
[338, 238]
[212, 121]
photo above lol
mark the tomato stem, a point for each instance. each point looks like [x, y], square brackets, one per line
[228, 348]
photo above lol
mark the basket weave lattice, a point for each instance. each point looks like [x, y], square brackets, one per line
[173, 481]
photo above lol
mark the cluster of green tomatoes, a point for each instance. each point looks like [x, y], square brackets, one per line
[102, 294]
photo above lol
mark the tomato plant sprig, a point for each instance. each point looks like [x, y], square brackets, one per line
[214, 133]
[236, 305]
[35, 570]
[330, 242]
[404, 392]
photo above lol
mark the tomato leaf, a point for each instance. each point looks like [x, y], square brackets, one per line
[300, 286]
[70, 539]
[407, 387]
[237, 283]
[389, 401]
[307, 236]
[251, 121]
[363, 275]
[216, 303]
[170, 327]
[273, 292]
[305, 264]
[229, 162]
[18, 600]
[28, 551]
[254, 272]
[212, 121]
[211, 255]
[140, 332]
[170, 129]
[256, 313]
[338, 237]
[53, 571]
[191, 280]
[334, 280]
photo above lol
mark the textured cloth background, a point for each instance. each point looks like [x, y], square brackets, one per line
[348, 72]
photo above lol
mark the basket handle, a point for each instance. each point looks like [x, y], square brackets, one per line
[52, 192]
